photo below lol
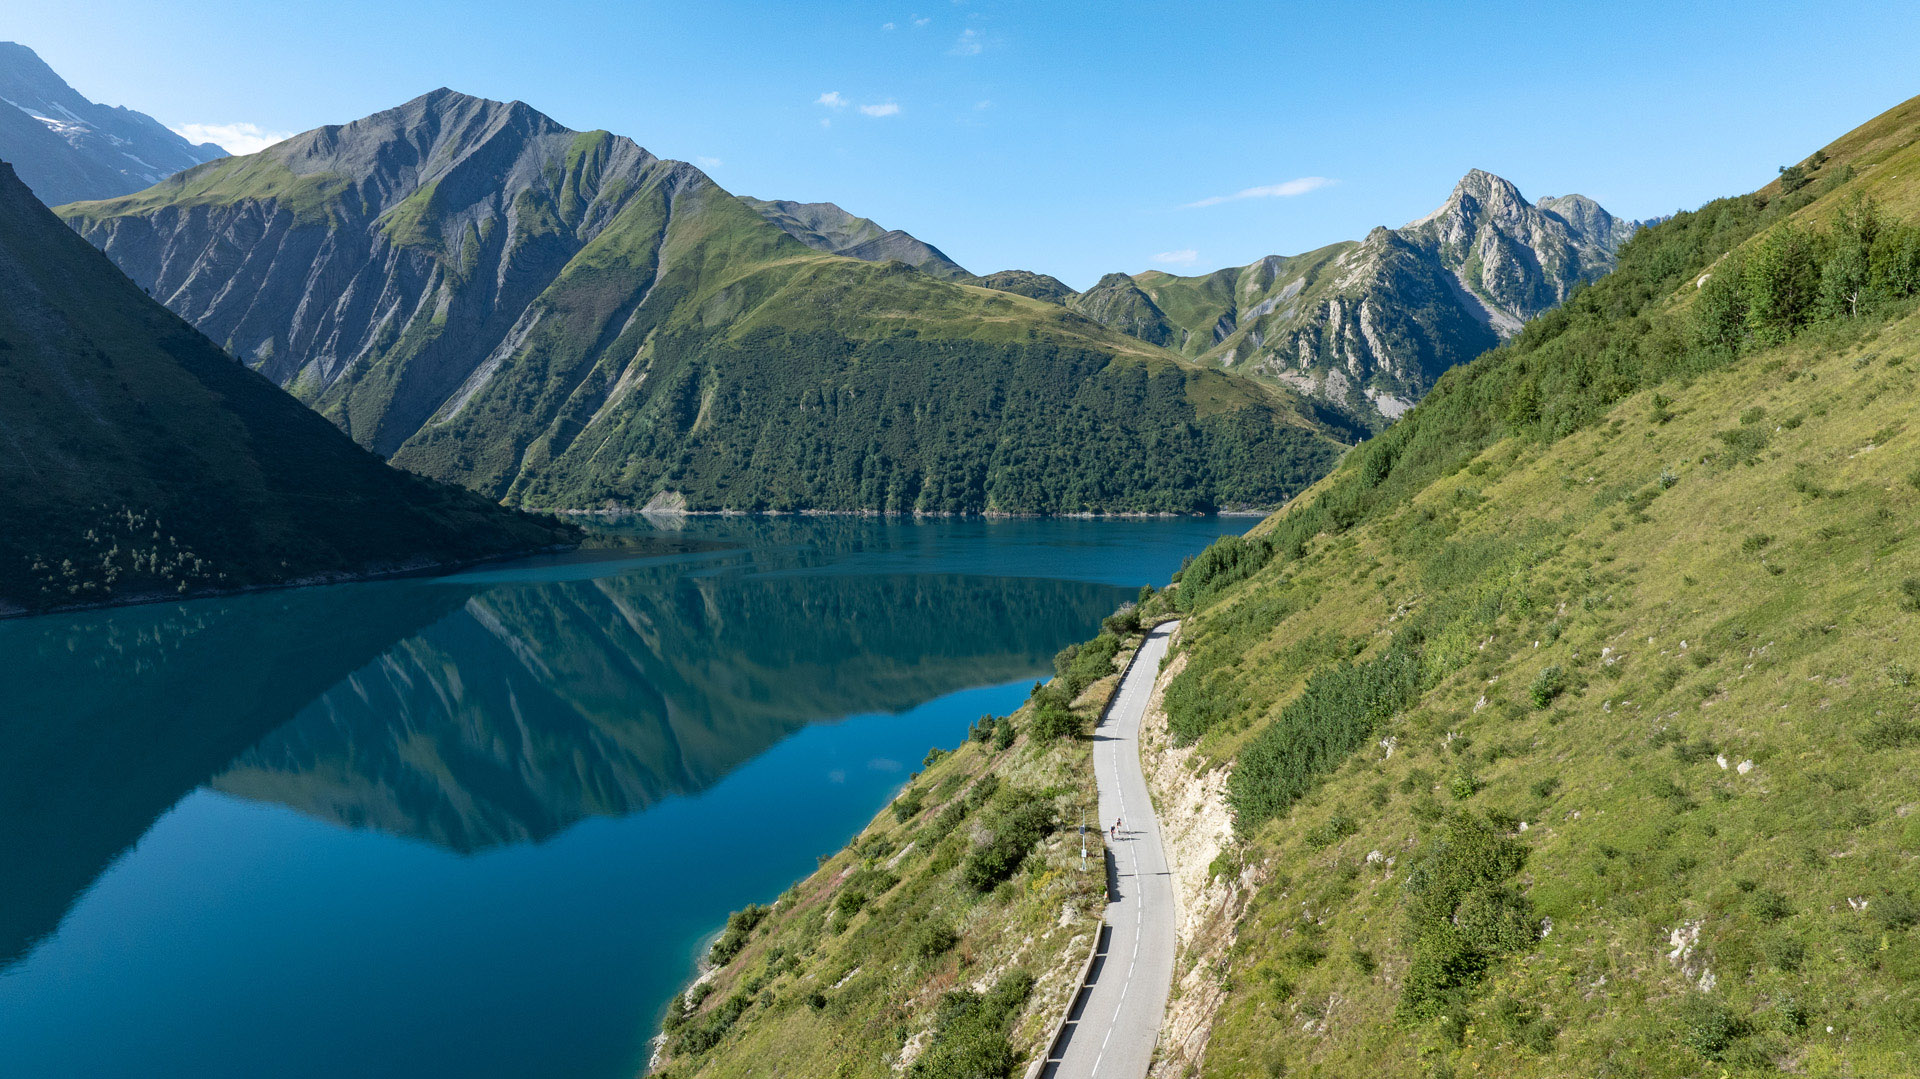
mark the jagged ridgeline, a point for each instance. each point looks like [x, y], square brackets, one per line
[1367, 326]
[65, 147]
[138, 460]
[561, 319]
[1573, 722]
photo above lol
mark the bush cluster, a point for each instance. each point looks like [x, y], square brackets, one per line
[1797, 276]
[1462, 912]
[1335, 714]
[740, 927]
[1017, 820]
[971, 1032]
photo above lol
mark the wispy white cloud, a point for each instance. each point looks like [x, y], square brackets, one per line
[886, 26]
[832, 99]
[1183, 257]
[970, 43]
[824, 122]
[708, 162]
[921, 20]
[888, 109]
[982, 105]
[1285, 190]
[239, 139]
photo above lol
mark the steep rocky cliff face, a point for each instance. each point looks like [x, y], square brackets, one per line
[561, 319]
[1369, 326]
[65, 147]
[381, 270]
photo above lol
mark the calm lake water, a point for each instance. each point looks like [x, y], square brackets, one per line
[479, 825]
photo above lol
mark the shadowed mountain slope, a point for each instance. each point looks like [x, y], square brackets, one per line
[138, 460]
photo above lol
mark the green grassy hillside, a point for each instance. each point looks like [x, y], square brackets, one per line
[138, 461]
[1572, 722]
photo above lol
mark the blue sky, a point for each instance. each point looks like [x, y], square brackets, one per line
[1070, 138]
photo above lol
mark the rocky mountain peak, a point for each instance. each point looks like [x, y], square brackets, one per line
[67, 148]
[1117, 301]
[1479, 197]
[1036, 286]
[1589, 218]
[27, 82]
[824, 226]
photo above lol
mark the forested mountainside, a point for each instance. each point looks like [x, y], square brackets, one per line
[1368, 326]
[65, 147]
[560, 319]
[137, 460]
[1570, 725]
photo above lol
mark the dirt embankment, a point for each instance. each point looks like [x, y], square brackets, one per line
[1196, 828]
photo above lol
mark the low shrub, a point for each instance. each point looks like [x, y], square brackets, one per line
[740, 927]
[1462, 912]
[1548, 684]
[933, 940]
[1335, 714]
[1018, 821]
[971, 1032]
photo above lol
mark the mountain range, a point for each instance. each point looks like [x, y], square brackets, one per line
[137, 460]
[560, 319]
[1367, 325]
[65, 147]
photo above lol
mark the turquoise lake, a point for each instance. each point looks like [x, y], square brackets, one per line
[480, 825]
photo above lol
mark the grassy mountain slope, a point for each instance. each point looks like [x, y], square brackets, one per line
[1567, 728]
[136, 459]
[1571, 723]
[560, 319]
[826, 227]
[1039, 286]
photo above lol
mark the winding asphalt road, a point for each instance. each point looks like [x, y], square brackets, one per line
[1111, 1031]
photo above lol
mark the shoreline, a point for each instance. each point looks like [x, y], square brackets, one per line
[1140, 515]
[313, 580]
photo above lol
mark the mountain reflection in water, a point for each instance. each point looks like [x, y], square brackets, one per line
[470, 714]
[531, 708]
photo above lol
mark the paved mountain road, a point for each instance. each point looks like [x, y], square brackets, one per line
[1113, 1027]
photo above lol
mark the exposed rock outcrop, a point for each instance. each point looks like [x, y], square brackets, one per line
[1369, 325]
[1117, 302]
